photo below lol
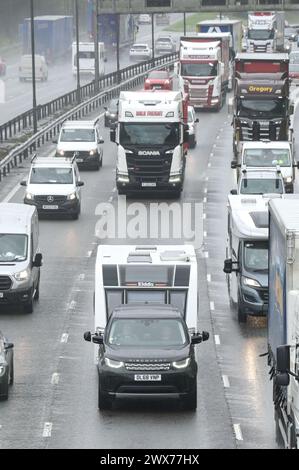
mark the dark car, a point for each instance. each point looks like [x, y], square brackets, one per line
[111, 113]
[146, 351]
[291, 34]
[2, 67]
[6, 366]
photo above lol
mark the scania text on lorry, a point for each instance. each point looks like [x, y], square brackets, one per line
[204, 66]
[150, 135]
[265, 31]
[283, 317]
[246, 265]
[261, 108]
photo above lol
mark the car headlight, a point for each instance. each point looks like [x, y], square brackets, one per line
[22, 276]
[113, 364]
[29, 196]
[93, 152]
[247, 281]
[60, 152]
[72, 196]
[181, 364]
[2, 370]
[289, 179]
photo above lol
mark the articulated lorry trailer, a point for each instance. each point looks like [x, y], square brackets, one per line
[204, 66]
[261, 107]
[265, 31]
[53, 36]
[283, 316]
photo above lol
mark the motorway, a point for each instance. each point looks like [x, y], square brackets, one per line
[18, 96]
[53, 402]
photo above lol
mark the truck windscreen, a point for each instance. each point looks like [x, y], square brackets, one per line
[264, 109]
[260, 34]
[208, 69]
[152, 134]
[256, 256]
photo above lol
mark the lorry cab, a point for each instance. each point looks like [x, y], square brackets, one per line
[20, 259]
[246, 265]
[264, 156]
[126, 274]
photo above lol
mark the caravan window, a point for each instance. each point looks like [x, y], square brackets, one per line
[150, 296]
[146, 276]
[114, 298]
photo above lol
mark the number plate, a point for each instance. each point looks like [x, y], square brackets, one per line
[1, 295]
[148, 185]
[79, 160]
[50, 207]
[147, 378]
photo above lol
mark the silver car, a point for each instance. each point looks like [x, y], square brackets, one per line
[192, 127]
[6, 366]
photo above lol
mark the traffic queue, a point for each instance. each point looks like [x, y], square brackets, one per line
[145, 304]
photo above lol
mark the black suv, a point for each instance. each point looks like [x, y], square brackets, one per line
[146, 351]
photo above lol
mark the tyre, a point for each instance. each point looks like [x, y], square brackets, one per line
[28, 307]
[11, 375]
[36, 295]
[190, 401]
[76, 215]
[104, 401]
[242, 316]
[4, 393]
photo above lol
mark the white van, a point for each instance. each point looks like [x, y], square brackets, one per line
[25, 68]
[20, 260]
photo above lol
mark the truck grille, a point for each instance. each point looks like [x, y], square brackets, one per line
[44, 199]
[198, 93]
[148, 168]
[147, 366]
[5, 283]
[263, 132]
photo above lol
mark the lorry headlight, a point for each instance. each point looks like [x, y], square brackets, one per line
[181, 364]
[289, 179]
[93, 152]
[22, 276]
[247, 281]
[29, 196]
[121, 178]
[72, 196]
[2, 370]
[113, 364]
[60, 152]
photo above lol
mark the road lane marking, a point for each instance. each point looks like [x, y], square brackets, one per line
[110, 199]
[212, 306]
[205, 234]
[204, 215]
[64, 338]
[47, 429]
[238, 432]
[209, 277]
[81, 277]
[205, 200]
[55, 378]
[207, 178]
[217, 339]
[89, 253]
[211, 154]
[206, 253]
[72, 305]
[205, 190]
[225, 381]
[209, 165]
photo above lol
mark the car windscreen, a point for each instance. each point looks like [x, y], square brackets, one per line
[77, 135]
[51, 176]
[158, 75]
[150, 134]
[13, 247]
[139, 48]
[261, 186]
[256, 256]
[208, 69]
[147, 333]
[262, 108]
[266, 157]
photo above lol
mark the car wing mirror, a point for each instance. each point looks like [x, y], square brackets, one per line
[234, 192]
[8, 346]
[80, 183]
[87, 336]
[38, 260]
[101, 141]
[23, 183]
[97, 339]
[54, 141]
[196, 120]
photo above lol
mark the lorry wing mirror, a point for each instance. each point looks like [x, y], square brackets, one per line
[196, 120]
[8, 346]
[38, 260]
[87, 336]
[24, 182]
[283, 358]
[228, 266]
[233, 165]
[101, 140]
[282, 380]
[205, 335]
[112, 134]
[234, 192]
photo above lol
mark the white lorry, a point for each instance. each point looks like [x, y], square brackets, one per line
[163, 274]
[150, 135]
[283, 316]
[87, 58]
[204, 66]
[265, 31]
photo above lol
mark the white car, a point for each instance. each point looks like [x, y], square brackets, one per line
[54, 186]
[145, 19]
[140, 52]
[82, 140]
[192, 127]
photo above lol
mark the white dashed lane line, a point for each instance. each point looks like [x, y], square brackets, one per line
[47, 430]
[212, 306]
[217, 339]
[55, 379]
[64, 338]
[225, 381]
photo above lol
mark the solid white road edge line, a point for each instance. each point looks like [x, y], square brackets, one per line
[225, 381]
[217, 339]
[238, 432]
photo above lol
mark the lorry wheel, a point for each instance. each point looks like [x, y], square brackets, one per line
[104, 402]
[190, 401]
